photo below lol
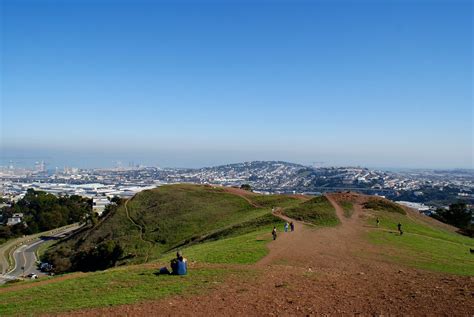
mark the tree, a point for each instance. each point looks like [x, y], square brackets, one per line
[457, 215]
[43, 211]
[5, 232]
[246, 187]
[116, 200]
[104, 255]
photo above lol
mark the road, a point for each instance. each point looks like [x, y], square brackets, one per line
[24, 255]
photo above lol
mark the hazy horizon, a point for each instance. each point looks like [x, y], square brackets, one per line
[193, 84]
[82, 160]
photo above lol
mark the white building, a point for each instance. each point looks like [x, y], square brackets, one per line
[15, 219]
[99, 204]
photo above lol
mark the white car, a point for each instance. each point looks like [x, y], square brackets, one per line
[33, 276]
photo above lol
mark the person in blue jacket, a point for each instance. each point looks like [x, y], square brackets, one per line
[179, 265]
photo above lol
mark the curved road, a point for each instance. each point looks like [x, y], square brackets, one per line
[25, 255]
[25, 259]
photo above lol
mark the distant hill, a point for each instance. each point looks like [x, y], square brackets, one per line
[163, 219]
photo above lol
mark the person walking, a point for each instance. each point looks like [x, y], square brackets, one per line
[292, 226]
[399, 226]
[377, 221]
[274, 233]
[286, 226]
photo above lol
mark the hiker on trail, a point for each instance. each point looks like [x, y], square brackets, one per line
[292, 226]
[378, 221]
[399, 226]
[274, 233]
[179, 265]
[286, 227]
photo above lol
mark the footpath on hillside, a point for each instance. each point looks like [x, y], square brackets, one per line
[312, 271]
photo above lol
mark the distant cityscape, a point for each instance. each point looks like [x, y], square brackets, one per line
[424, 190]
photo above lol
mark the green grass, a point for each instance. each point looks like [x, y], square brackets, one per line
[220, 231]
[242, 249]
[270, 201]
[347, 207]
[136, 284]
[317, 211]
[172, 217]
[113, 287]
[423, 246]
[415, 226]
[382, 204]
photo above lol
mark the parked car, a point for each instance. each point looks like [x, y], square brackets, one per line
[33, 276]
[45, 267]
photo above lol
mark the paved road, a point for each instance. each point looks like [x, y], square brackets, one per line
[25, 256]
[25, 259]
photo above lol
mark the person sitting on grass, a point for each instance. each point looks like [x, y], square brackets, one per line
[179, 265]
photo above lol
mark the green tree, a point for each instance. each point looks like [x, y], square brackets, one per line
[5, 232]
[457, 215]
[246, 187]
[116, 200]
[100, 257]
[43, 211]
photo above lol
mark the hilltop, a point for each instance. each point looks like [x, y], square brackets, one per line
[342, 265]
[160, 220]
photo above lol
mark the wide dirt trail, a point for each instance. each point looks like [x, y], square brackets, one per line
[313, 247]
[314, 271]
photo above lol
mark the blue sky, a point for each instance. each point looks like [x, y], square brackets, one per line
[196, 83]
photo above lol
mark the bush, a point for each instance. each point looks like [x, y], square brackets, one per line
[457, 215]
[100, 257]
[60, 259]
[246, 187]
[384, 205]
[318, 211]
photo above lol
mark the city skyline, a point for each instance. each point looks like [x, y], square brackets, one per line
[50, 165]
[204, 84]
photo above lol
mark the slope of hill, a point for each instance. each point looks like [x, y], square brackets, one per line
[305, 212]
[426, 243]
[351, 268]
[157, 221]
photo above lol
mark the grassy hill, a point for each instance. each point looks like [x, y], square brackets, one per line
[325, 215]
[426, 243]
[157, 221]
[212, 225]
[222, 232]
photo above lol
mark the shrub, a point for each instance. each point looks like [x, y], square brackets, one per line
[384, 205]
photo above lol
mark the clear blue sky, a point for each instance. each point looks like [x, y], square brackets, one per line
[371, 83]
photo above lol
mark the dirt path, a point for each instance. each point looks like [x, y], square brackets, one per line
[314, 271]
